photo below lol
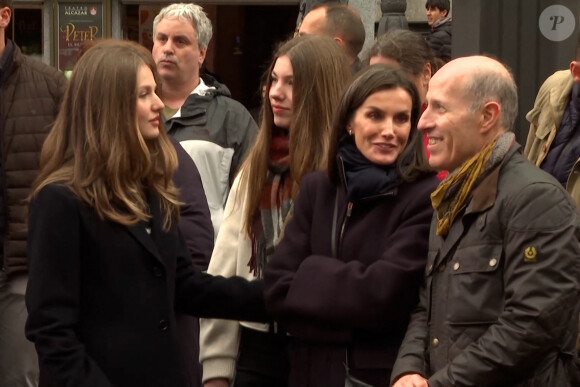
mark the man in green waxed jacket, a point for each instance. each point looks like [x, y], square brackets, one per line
[501, 295]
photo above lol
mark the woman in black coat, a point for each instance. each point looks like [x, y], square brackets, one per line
[346, 275]
[108, 267]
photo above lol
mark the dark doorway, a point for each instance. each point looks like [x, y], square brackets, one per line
[245, 37]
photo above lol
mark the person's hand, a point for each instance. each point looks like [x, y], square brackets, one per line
[217, 382]
[411, 380]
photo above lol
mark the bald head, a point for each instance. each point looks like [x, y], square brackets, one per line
[482, 79]
[339, 21]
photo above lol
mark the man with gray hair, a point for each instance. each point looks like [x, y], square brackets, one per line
[215, 130]
[199, 112]
[500, 302]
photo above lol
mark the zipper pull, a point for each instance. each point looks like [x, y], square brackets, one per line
[349, 209]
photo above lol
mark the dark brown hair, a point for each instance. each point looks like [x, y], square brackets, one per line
[406, 47]
[369, 81]
[442, 5]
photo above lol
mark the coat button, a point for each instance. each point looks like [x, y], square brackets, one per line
[429, 268]
[456, 266]
[157, 272]
[492, 262]
[435, 342]
[163, 325]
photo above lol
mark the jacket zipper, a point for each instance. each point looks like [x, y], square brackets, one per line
[350, 205]
[348, 214]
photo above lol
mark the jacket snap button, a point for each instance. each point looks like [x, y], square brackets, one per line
[492, 262]
[157, 272]
[429, 268]
[456, 266]
[435, 342]
[163, 325]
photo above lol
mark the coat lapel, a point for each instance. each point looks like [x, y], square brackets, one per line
[483, 197]
[139, 230]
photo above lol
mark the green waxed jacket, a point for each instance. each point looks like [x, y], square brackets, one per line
[501, 295]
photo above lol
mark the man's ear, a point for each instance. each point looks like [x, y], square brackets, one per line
[202, 52]
[446, 13]
[4, 17]
[575, 70]
[339, 40]
[490, 115]
[426, 74]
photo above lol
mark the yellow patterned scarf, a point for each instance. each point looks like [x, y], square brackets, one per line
[453, 191]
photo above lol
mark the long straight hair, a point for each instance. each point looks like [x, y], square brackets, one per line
[320, 74]
[95, 146]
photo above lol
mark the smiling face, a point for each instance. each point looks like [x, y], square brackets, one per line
[176, 52]
[452, 130]
[149, 105]
[381, 125]
[280, 92]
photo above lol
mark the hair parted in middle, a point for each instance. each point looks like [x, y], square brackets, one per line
[372, 79]
[191, 13]
[321, 72]
[95, 146]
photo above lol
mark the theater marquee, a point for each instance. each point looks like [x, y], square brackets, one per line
[77, 23]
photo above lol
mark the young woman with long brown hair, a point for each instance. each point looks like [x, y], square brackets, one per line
[301, 89]
[108, 268]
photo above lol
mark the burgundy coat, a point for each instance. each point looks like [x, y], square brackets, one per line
[360, 299]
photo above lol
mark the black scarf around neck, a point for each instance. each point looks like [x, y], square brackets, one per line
[363, 177]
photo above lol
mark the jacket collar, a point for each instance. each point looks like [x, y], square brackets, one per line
[151, 241]
[483, 197]
[560, 95]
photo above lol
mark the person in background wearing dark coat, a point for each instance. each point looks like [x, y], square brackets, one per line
[30, 95]
[346, 275]
[197, 231]
[108, 266]
[439, 39]
[500, 302]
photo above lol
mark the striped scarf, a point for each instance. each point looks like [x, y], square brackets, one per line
[452, 193]
[275, 205]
